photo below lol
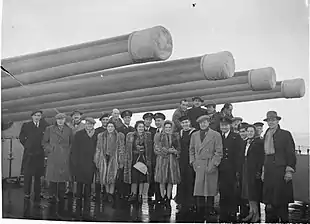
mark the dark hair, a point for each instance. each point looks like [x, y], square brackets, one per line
[255, 129]
[111, 122]
[137, 124]
[227, 105]
[168, 122]
[183, 100]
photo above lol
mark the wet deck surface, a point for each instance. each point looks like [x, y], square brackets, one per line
[14, 206]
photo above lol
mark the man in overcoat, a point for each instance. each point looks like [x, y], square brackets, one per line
[279, 166]
[229, 171]
[82, 156]
[123, 189]
[206, 151]
[148, 118]
[196, 111]
[31, 136]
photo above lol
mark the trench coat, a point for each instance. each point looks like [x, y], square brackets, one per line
[108, 170]
[82, 155]
[167, 169]
[57, 146]
[31, 137]
[275, 190]
[205, 157]
[128, 155]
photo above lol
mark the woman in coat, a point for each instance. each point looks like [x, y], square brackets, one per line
[57, 143]
[253, 159]
[109, 157]
[138, 149]
[167, 171]
[82, 155]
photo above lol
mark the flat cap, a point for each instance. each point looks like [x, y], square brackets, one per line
[90, 120]
[148, 115]
[36, 111]
[236, 119]
[226, 120]
[203, 118]
[259, 124]
[76, 112]
[197, 98]
[104, 115]
[183, 118]
[60, 116]
[126, 113]
[159, 115]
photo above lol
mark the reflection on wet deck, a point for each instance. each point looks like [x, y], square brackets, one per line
[14, 206]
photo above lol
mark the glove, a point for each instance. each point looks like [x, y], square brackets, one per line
[288, 176]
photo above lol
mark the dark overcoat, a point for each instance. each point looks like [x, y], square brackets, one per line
[232, 147]
[82, 155]
[194, 113]
[125, 130]
[275, 190]
[31, 137]
[252, 170]
[215, 121]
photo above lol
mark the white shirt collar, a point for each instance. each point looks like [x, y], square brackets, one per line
[226, 134]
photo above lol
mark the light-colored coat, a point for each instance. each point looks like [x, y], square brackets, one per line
[205, 157]
[57, 146]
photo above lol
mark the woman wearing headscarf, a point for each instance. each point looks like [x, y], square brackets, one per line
[167, 150]
[57, 143]
[109, 157]
[253, 160]
[137, 159]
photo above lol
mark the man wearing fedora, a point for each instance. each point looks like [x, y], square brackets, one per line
[205, 154]
[196, 111]
[279, 166]
[31, 135]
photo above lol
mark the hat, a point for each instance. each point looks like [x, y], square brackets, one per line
[76, 112]
[243, 125]
[90, 120]
[36, 111]
[104, 115]
[60, 116]
[272, 114]
[183, 118]
[225, 120]
[211, 103]
[203, 118]
[148, 115]
[197, 98]
[160, 115]
[259, 124]
[236, 119]
[126, 113]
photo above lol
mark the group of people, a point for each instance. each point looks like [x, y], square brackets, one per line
[202, 151]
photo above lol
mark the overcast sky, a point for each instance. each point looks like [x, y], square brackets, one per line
[259, 33]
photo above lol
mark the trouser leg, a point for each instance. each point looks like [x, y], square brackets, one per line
[79, 190]
[201, 201]
[61, 191]
[87, 194]
[210, 204]
[27, 183]
[37, 186]
[98, 192]
[271, 214]
[282, 213]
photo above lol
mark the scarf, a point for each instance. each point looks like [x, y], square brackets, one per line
[268, 144]
[203, 134]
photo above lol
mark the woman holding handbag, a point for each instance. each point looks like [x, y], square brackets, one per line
[109, 157]
[167, 171]
[137, 164]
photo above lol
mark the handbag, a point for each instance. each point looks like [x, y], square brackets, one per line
[140, 166]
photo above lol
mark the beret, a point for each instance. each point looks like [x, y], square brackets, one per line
[203, 118]
[36, 111]
[60, 116]
[104, 115]
[90, 120]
